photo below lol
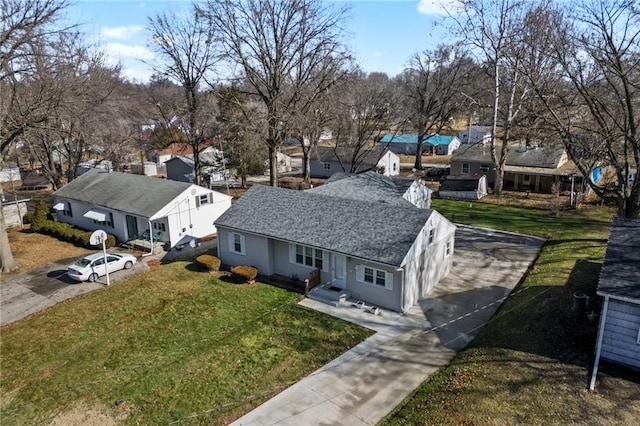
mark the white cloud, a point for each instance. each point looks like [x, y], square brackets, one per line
[117, 52]
[438, 7]
[137, 75]
[121, 33]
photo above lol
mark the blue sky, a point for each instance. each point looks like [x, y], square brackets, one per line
[383, 33]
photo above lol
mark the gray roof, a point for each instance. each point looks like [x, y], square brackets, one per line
[620, 274]
[541, 157]
[136, 194]
[369, 186]
[344, 155]
[374, 231]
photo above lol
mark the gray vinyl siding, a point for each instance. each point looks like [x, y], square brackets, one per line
[257, 251]
[374, 295]
[284, 266]
[620, 334]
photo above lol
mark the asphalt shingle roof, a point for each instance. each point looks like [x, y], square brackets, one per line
[125, 192]
[541, 157]
[369, 186]
[344, 155]
[375, 231]
[620, 274]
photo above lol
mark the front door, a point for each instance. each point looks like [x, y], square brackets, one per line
[132, 227]
[339, 271]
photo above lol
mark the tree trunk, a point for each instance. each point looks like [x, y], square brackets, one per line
[7, 263]
[418, 162]
[273, 165]
[497, 186]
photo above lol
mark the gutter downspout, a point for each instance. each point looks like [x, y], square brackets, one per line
[402, 287]
[150, 240]
[603, 319]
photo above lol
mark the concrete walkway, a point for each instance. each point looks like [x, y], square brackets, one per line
[364, 384]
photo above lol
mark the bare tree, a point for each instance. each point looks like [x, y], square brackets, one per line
[188, 48]
[240, 135]
[492, 28]
[280, 47]
[364, 109]
[590, 88]
[431, 85]
[21, 23]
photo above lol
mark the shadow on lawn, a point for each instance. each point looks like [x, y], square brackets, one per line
[550, 320]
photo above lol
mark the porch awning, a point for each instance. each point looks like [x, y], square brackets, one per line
[59, 206]
[98, 215]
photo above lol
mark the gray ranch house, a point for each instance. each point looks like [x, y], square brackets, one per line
[619, 330]
[135, 207]
[383, 254]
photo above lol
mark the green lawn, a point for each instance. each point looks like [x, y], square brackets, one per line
[173, 344]
[531, 363]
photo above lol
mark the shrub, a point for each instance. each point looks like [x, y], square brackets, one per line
[244, 274]
[39, 215]
[66, 232]
[208, 262]
[27, 218]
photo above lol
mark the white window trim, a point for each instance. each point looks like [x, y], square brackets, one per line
[431, 235]
[388, 277]
[468, 168]
[448, 249]
[292, 257]
[232, 243]
[638, 338]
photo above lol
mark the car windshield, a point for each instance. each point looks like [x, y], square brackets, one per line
[82, 262]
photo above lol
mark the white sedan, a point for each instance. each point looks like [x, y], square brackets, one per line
[90, 267]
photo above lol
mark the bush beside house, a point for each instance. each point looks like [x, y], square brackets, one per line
[244, 274]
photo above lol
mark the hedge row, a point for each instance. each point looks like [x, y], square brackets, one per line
[66, 232]
[41, 222]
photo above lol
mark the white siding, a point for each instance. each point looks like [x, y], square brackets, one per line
[620, 336]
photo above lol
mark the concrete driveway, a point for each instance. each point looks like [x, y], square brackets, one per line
[364, 384]
[42, 287]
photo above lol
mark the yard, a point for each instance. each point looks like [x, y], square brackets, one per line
[169, 345]
[531, 363]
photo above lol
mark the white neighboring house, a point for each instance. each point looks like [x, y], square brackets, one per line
[10, 173]
[326, 160]
[475, 135]
[131, 206]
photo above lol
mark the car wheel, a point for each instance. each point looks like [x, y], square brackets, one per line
[93, 277]
[128, 265]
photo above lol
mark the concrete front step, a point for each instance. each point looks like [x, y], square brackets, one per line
[329, 295]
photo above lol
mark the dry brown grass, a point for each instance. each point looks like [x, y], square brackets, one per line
[31, 249]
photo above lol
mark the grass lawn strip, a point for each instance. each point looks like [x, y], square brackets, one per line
[174, 344]
[530, 364]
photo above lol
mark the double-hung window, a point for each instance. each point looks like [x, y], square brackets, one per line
[308, 256]
[465, 168]
[237, 243]
[374, 276]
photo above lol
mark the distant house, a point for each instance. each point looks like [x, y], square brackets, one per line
[93, 163]
[374, 187]
[182, 168]
[325, 161]
[463, 188]
[475, 135]
[284, 163]
[618, 338]
[431, 144]
[132, 206]
[383, 254]
[534, 169]
[10, 173]
[444, 145]
[148, 168]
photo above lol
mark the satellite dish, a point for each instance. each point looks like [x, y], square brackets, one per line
[193, 191]
[98, 237]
